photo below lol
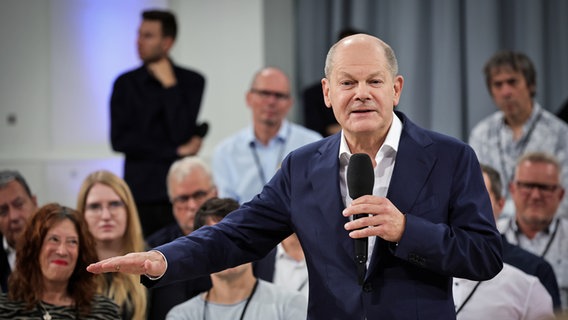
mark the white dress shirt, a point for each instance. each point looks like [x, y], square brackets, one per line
[385, 159]
[511, 294]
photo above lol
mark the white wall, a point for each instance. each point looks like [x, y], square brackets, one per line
[60, 57]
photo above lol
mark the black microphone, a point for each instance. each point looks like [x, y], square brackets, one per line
[360, 182]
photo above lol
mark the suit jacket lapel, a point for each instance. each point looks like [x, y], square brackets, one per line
[325, 183]
[412, 169]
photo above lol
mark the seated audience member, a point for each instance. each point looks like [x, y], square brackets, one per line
[520, 125]
[50, 280]
[285, 266]
[511, 294]
[515, 255]
[317, 116]
[17, 204]
[244, 162]
[236, 293]
[189, 184]
[109, 209]
[537, 191]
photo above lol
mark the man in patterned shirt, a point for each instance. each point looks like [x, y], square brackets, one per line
[521, 124]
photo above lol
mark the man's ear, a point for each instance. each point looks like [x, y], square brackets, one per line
[325, 89]
[167, 43]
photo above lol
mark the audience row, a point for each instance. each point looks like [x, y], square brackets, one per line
[168, 192]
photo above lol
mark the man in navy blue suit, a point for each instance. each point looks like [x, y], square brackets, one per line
[429, 215]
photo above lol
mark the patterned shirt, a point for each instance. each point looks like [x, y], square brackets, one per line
[550, 244]
[102, 308]
[494, 145]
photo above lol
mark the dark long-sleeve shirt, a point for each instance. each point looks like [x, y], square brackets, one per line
[149, 122]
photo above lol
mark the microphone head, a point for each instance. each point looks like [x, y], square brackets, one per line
[360, 175]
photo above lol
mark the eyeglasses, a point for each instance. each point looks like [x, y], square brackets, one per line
[97, 208]
[544, 189]
[197, 196]
[265, 94]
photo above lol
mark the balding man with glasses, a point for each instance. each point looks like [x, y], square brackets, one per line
[190, 184]
[537, 192]
[245, 161]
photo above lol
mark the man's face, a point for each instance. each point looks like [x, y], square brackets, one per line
[269, 98]
[188, 195]
[361, 89]
[16, 207]
[152, 46]
[536, 192]
[511, 93]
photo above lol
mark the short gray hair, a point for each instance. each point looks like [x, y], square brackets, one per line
[184, 166]
[7, 176]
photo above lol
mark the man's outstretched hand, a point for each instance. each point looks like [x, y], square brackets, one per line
[151, 263]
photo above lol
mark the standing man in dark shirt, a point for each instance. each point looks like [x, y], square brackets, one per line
[154, 111]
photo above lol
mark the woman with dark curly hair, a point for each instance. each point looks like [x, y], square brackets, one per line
[50, 280]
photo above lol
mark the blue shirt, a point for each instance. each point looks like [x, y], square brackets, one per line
[242, 165]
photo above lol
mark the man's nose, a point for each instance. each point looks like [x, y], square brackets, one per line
[363, 91]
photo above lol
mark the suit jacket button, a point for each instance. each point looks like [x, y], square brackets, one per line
[367, 287]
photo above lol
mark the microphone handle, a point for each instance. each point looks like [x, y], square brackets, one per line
[361, 244]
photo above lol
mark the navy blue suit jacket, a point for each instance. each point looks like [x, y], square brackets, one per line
[162, 299]
[450, 231]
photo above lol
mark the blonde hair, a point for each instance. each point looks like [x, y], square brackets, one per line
[124, 289]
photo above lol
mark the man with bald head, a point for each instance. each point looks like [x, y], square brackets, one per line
[245, 161]
[427, 220]
[17, 204]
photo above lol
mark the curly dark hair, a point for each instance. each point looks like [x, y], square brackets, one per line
[26, 281]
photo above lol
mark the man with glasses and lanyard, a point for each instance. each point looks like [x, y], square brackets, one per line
[190, 184]
[537, 191]
[244, 162]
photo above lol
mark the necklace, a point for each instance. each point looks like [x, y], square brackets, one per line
[46, 315]
[207, 297]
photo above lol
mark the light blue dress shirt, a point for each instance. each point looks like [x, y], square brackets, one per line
[242, 165]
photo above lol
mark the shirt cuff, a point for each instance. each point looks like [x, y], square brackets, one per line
[160, 276]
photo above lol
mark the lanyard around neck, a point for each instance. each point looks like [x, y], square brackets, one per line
[509, 175]
[256, 157]
[548, 244]
[244, 309]
[468, 297]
